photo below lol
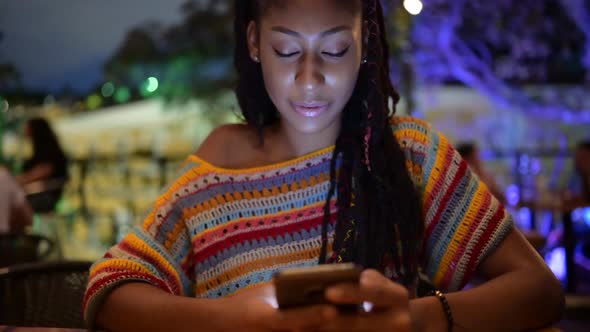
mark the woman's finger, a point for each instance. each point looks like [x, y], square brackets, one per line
[374, 288]
[381, 292]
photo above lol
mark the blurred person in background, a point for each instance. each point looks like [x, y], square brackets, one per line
[470, 153]
[46, 171]
[15, 212]
[322, 172]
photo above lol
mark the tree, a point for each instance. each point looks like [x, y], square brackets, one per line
[9, 76]
[192, 58]
[139, 45]
[500, 47]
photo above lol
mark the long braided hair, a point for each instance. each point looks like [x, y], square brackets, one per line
[379, 223]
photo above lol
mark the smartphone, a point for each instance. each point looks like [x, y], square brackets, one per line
[304, 286]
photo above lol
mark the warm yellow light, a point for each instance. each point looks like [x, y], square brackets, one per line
[93, 101]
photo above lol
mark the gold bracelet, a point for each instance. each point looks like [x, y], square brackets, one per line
[446, 308]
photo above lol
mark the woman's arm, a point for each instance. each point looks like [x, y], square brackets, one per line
[142, 307]
[21, 216]
[468, 232]
[39, 172]
[521, 294]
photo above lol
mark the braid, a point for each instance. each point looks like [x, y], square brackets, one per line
[376, 198]
[379, 223]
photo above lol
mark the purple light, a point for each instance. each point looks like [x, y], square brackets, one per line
[556, 261]
[582, 215]
[524, 217]
[524, 164]
[513, 195]
[535, 166]
[450, 26]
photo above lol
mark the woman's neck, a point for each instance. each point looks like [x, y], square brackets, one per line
[297, 144]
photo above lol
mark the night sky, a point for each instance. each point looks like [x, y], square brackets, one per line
[54, 43]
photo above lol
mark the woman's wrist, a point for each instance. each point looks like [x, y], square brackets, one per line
[427, 315]
[446, 309]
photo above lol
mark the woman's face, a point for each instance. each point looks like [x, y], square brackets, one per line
[310, 53]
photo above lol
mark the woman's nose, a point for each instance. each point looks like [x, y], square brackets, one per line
[309, 75]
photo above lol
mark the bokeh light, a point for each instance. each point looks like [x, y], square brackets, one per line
[93, 101]
[513, 194]
[152, 85]
[556, 261]
[149, 86]
[413, 7]
[4, 106]
[122, 94]
[108, 89]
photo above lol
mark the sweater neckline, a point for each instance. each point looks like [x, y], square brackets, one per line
[279, 165]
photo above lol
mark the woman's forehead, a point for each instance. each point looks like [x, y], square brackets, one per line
[312, 15]
[269, 6]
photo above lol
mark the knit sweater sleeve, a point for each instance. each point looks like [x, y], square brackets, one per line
[464, 222]
[158, 252]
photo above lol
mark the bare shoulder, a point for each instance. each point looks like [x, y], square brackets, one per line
[220, 147]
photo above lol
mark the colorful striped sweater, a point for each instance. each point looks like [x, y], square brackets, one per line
[215, 231]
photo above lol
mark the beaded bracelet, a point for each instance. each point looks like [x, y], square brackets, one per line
[446, 308]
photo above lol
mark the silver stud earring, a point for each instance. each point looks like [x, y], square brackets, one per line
[256, 58]
[364, 61]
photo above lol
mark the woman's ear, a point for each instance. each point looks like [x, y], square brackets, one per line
[253, 41]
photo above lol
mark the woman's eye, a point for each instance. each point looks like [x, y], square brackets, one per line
[337, 54]
[286, 55]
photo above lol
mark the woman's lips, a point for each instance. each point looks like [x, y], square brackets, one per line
[311, 109]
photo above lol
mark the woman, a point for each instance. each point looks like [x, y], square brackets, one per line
[321, 173]
[47, 169]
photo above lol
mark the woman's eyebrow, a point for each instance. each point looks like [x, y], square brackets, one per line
[330, 31]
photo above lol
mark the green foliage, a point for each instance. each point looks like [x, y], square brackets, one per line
[190, 59]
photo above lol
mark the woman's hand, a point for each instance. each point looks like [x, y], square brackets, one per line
[254, 310]
[390, 310]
